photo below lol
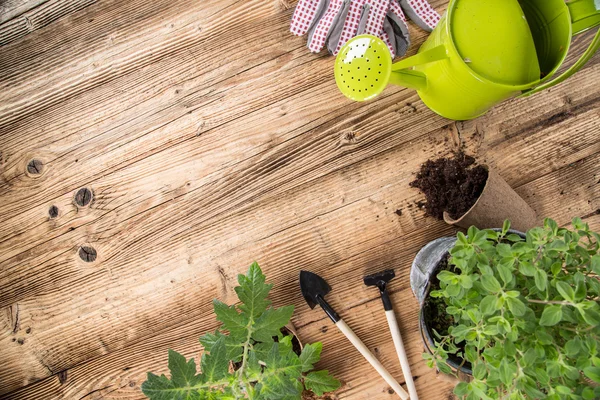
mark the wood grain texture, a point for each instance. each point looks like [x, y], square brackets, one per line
[33, 15]
[171, 152]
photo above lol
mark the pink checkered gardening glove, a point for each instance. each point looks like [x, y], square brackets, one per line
[420, 11]
[334, 22]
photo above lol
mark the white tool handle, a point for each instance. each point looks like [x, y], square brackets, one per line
[360, 346]
[410, 383]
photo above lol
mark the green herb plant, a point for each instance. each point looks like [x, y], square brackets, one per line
[527, 313]
[268, 366]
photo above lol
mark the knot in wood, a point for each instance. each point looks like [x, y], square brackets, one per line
[88, 253]
[83, 197]
[35, 166]
[53, 212]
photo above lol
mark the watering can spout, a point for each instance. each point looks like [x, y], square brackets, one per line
[410, 79]
[403, 74]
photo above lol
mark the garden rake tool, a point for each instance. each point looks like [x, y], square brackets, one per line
[381, 280]
[314, 289]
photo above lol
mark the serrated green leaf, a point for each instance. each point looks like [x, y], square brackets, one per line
[551, 315]
[281, 370]
[321, 382]
[234, 322]
[253, 292]
[311, 353]
[215, 365]
[270, 323]
[234, 347]
[183, 372]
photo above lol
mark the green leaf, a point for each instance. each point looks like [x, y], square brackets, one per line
[479, 371]
[488, 305]
[588, 393]
[443, 367]
[558, 245]
[541, 279]
[565, 290]
[253, 292]
[311, 353]
[573, 346]
[183, 373]
[551, 315]
[183, 385]
[506, 375]
[490, 284]
[593, 373]
[270, 323]
[461, 389]
[214, 365]
[556, 267]
[505, 273]
[234, 347]
[595, 264]
[505, 227]
[563, 389]
[466, 281]
[527, 268]
[516, 306]
[234, 322]
[321, 382]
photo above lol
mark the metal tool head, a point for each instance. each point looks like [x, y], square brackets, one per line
[313, 286]
[380, 279]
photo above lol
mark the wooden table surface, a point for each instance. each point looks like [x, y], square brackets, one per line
[209, 137]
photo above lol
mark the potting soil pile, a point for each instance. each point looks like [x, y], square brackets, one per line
[450, 184]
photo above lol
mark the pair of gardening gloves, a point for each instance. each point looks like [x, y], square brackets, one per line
[332, 23]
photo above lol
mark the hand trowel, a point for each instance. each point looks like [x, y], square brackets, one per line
[314, 288]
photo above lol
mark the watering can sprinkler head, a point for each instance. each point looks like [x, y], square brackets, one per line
[363, 67]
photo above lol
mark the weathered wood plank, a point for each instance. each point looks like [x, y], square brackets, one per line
[206, 236]
[12, 8]
[35, 18]
[124, 370]
[203, 155]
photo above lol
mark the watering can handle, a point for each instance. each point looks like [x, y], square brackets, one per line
[585, 15]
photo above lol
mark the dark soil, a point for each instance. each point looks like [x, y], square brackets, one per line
[434, 311]
[435, 307]
[306, 395]
[450, 184]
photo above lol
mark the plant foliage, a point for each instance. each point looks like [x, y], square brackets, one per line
[268, 366]
[527, 313]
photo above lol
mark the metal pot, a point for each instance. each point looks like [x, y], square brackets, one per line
[424, 267]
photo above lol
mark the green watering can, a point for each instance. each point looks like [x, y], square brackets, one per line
[481, 53]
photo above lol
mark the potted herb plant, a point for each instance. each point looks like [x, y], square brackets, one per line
[522, 312]
[254, 360]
